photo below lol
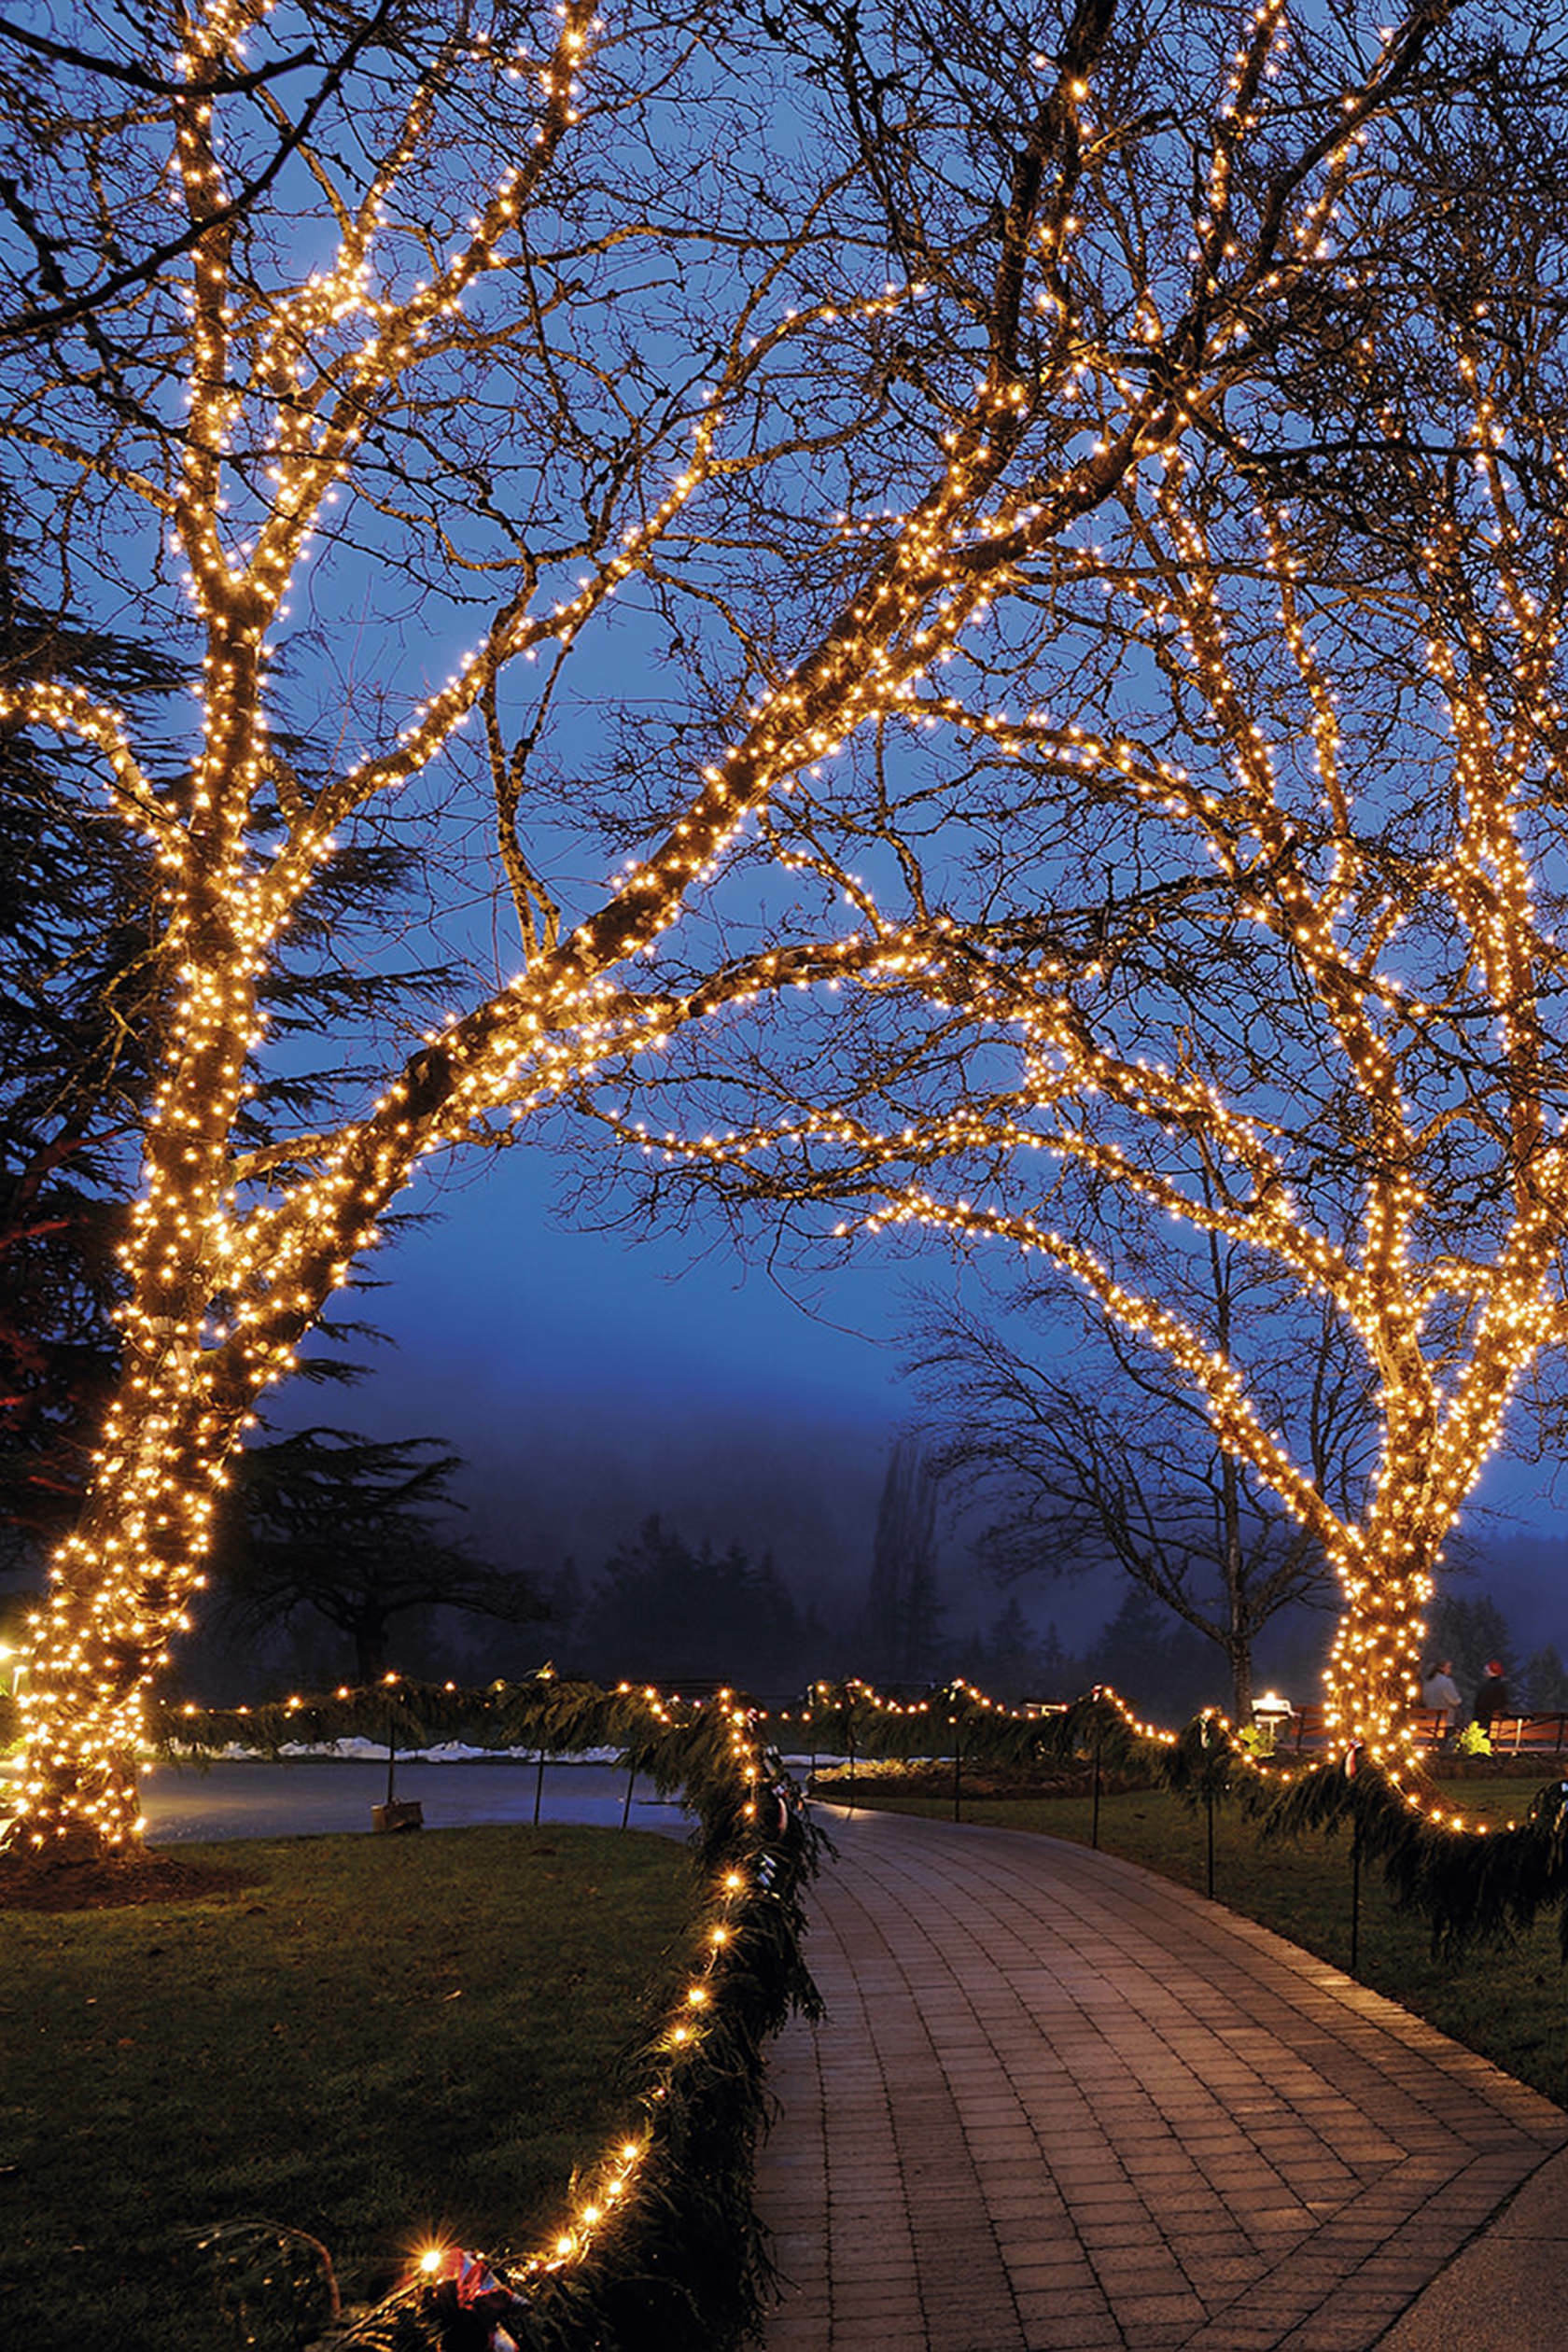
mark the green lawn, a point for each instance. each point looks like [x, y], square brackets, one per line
[372, 2039]
[1509, 2002]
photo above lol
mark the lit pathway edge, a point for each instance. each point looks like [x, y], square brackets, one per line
[1059, 2104]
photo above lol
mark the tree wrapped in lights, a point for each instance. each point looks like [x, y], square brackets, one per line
[1273, 963]
[467, 323]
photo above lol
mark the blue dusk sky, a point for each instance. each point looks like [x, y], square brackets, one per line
[589, 1379]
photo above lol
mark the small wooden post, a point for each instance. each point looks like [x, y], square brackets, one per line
[1355, 1894]
[539, 1789]
[631, 1783]
[1209, 1803]
[850, 1724]
[957, 1769]
[1094, 1820]
[391, 1815]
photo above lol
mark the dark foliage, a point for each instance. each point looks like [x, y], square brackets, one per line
[900, 1623]
[77, 1031]
[1160, 1664]
[1545, 1679]
[81, 1029]
[349, 1528]
[664, 1613]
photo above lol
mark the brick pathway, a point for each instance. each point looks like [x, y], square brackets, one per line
[1061, 2104]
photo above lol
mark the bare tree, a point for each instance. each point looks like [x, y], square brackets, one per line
[1089, 1459]
[71, 260]
[538, 311]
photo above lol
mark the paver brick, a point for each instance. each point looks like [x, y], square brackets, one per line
[1035, 2056]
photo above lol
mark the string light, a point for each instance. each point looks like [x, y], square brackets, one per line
[1445, 1338]
[601, 2197]
[728, 1734]
[268, 1235]
[834, 1707]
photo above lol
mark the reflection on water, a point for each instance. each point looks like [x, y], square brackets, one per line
[305, 1797]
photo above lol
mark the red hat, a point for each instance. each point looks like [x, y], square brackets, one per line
[1494, 1666]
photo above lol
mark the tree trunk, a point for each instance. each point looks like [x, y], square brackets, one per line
[121, 1585]
[370, 1644]
[1238, 1647]
[1374, 1677]
[1239, 1650]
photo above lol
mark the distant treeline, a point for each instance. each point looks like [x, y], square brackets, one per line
[663, 1610]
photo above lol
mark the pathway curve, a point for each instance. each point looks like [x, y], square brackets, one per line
[1062, 2104]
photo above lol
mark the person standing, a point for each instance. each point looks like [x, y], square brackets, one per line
[1491, 1699]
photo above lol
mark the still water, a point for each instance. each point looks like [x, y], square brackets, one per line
[306, 1796]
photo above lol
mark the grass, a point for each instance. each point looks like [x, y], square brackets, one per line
[1509, 2002]
[372, 2040]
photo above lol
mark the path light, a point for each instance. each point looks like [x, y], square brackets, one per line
[1270, 1714]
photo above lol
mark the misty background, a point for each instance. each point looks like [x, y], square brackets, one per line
[593, 1382]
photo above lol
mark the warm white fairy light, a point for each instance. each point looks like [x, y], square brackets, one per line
[606, 2195]
[306, 380]
[1442, 1396]
[830, 1703]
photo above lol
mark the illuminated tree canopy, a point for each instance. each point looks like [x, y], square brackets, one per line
[789, 380]
[1265, 772]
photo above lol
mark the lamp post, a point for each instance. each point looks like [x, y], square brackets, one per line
[1270, 1714]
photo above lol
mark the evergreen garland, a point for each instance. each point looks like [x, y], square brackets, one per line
[1469, 1880]
[664, 2249]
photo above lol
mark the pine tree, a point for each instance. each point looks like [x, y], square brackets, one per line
[352, 1531]
[76, 1007]
[1159, 1664]
[662, 1612]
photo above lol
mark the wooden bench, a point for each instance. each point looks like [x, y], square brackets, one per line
[1304, 1731]
[1308, 1730]
[1543, 1734]
[1530, 1734]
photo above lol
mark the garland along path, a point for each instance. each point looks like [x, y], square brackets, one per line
[1059, 2103]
